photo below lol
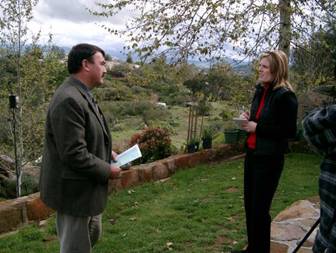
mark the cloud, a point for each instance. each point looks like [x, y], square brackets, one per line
[75, 11]
[71, 10]
[70, 23]
[65, 33]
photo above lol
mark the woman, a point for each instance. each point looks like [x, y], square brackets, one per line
[271, 122]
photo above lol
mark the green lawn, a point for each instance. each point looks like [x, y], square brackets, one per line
[130, 125]
[197, 210]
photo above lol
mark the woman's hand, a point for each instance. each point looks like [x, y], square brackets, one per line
[244, 115]
[249, 126]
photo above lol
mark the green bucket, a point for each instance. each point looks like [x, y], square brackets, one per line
[231, 136]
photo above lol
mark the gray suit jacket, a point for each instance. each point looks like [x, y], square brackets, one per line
[77, 153]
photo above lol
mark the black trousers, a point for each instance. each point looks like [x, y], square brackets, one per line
[261, 178]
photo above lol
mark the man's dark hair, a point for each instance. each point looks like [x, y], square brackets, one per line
[79, 53]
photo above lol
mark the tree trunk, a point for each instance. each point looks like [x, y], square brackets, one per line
[285, 26]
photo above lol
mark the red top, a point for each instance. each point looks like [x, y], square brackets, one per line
[251, 139]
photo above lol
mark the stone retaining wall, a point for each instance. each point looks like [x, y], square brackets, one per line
[291, 225]
[27, 209]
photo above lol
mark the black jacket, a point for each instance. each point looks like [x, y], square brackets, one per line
[277, 121]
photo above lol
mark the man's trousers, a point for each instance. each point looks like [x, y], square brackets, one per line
[77, 234]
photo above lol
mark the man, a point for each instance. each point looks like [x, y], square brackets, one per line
[77, 153]
[320, 131]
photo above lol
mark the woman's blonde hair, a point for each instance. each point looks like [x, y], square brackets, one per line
[279, 68]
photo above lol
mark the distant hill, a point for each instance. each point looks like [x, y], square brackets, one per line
[118, 53]
[243, 68]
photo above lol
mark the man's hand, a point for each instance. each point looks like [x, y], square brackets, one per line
[126, 166]
[115, 172]
[114, 156]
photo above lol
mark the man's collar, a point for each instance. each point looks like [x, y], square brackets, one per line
[81, 85]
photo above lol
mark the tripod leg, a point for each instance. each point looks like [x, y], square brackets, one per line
[306, 236]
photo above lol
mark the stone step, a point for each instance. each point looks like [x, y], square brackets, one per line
[291, 225]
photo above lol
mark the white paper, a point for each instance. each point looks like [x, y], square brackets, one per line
[239, 122]
[128, 156]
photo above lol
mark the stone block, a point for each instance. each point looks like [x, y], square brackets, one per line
[195, 159]
[160, 171]
[145, 173]
[36, 209]
[204, 156]
[208, 155]
[114, 185]
[226, 151]
[170, 164]
[315, 200]
[305, 250]
[307, 223]
[12, 215]
[300, 209]
[277, 247]
[182, 161]
[286, 232]
[308, 244]
[129, 178]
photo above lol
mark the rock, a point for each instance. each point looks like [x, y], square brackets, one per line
[7, 161]
[29, 178]
[300, 209]
[31, 170]
[292, 224]
[286, 232]
[7, 167]
[277, 247]
[308, 244]
[307, 223]
[305, 250]
[42, 223]
[160, 171]
[7, 177]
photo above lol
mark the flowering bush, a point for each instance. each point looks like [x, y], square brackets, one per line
[154, 144]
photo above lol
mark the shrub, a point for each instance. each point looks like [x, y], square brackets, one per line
[8, 188]
[163, 124]
[177, 97]
[29, 184]
[216, 125]
[154, 143]
[225, 115]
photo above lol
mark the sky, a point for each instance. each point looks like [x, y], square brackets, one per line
[70, 23]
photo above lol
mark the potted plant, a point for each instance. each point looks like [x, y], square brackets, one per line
[231, 133]
[242, 136]
[207, 136]
[193, 145]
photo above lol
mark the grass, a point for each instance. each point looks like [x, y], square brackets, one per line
[131, 125]
[197, 210]
[134, 124]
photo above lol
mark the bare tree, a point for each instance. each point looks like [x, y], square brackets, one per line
[14, 16]
[206, 28]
